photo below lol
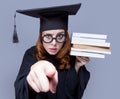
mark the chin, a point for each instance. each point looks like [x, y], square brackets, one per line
[52, 53]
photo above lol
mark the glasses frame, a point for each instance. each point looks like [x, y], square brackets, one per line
[53, 38]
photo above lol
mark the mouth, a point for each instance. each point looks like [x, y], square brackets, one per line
[53, 49]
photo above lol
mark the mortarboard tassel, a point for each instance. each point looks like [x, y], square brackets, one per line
[15, 36]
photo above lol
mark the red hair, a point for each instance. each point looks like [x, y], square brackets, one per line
[62, 55]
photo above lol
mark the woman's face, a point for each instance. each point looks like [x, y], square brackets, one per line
[53, 40]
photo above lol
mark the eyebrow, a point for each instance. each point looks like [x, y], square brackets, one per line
[60, 32]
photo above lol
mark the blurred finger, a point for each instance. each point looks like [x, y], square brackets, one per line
[82, 59]
[52, 74]
[32, 84]
[44, 82]
[50, 70]
[54, 82]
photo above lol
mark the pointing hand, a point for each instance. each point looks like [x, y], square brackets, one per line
[43, 77]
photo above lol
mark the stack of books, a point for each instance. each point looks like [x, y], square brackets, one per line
[89, 45]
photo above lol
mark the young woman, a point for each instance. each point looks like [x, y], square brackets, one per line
[48, 71]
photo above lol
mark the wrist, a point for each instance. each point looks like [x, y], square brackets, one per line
[78, 66]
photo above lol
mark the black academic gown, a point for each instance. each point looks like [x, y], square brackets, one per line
[71, 85]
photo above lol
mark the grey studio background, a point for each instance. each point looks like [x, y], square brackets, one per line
[95, 16]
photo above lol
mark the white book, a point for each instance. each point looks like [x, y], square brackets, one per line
[89, 35]
[87, 39]
[102, 44]
[90, 50]
[86, 54]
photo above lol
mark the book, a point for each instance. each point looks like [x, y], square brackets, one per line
[102, 44]
[87, 39]
[87, 54]
[92, 51]
[89, 45]
[89, 35]
[88, 48]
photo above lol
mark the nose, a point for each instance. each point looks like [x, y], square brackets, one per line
[54, 42]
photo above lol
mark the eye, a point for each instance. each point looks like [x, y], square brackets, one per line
[60, 36]
[47, 36]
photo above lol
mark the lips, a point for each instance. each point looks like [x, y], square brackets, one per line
[53, 49]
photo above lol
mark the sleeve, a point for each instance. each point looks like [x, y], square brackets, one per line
[71, 84]
[20, 84]
[84, 76]
[76, 82]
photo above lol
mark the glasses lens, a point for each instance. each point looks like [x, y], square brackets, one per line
[60, 38]
[47, 38]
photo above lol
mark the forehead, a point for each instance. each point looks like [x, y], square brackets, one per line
[53, 32]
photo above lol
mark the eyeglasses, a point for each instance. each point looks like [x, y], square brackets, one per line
[48, 38]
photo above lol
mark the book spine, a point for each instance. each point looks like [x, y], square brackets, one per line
[87, 39]
[80, 53]
[89, 35]
[90, 50]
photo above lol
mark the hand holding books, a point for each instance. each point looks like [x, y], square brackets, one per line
[89, 45]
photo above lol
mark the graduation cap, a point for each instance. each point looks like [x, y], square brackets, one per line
[52, 17]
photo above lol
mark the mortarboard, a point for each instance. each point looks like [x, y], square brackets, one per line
[52, 17]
